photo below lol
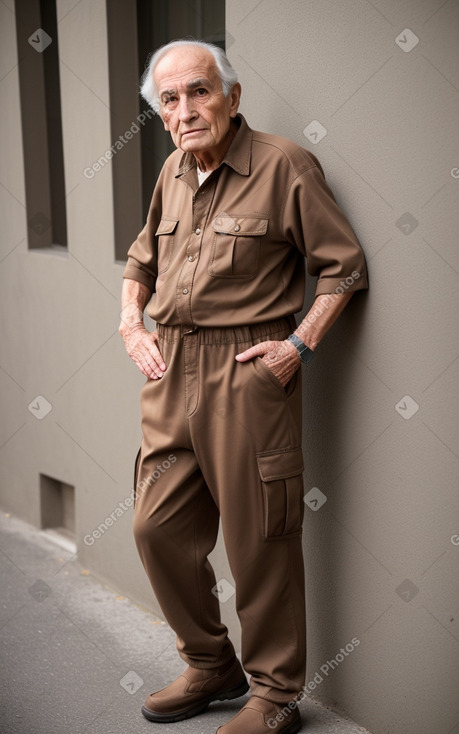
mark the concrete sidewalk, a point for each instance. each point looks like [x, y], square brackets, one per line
[76, 657]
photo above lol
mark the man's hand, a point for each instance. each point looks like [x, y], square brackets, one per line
[142, 347]
[280, 357]
[141, 344]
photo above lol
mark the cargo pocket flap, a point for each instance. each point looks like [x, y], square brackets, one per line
[282, 491]
[237, 225]
[167, 226]
[274, 465]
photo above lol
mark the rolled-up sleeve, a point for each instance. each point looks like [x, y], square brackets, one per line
[140, 265]
[318, 227]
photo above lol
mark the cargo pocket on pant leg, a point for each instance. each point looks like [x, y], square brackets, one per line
[281, 474]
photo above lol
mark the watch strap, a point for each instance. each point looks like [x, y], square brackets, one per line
[304, 352]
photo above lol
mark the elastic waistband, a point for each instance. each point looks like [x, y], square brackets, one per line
[230, 334]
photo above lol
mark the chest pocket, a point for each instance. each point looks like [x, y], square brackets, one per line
[165, 238]
[236, 245]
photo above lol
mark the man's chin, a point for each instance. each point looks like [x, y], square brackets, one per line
[194, 143]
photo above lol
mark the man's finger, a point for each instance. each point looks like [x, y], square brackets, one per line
[158, 358]
[258, 350]
[147, 363]
[155, 368]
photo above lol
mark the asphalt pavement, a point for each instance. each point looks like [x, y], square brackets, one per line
[78, 657]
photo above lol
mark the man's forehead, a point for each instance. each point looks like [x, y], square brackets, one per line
[184, 64]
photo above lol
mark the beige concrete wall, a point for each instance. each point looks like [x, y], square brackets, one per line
[60, 314]
[381, 566]
[391, 148]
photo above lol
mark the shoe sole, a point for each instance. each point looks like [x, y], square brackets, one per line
[198, 708]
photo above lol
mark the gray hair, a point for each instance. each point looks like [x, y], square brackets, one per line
[148, 89]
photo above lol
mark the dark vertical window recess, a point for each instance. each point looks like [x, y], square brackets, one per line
[54, 126]
[158, 22]
[124, 125]
[57, 507]
[38, 54]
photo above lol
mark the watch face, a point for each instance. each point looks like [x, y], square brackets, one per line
[306, 355]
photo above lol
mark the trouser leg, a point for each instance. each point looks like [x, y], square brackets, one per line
[246, 432]
[176, 521]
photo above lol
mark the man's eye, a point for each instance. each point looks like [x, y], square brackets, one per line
[201, 92]
[169, 100]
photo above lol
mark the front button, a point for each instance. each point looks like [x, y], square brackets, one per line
[197, 230]
[237, 227]
[185, 291]
[190, 258]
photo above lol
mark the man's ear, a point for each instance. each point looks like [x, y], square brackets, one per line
[235, 97]
[166, 126]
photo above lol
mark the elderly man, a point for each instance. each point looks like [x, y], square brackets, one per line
[220, 263]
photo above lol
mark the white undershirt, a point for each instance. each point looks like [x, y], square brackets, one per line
[202, 175]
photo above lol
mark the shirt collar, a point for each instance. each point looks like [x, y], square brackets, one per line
[238, 155]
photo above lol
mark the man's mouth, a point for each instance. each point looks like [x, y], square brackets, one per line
[191, 132]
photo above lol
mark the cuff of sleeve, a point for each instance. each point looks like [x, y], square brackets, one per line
[134, 273]
[337, 286]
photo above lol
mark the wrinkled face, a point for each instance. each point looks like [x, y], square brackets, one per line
[193, 107]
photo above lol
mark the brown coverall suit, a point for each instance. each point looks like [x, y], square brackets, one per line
[222, 439]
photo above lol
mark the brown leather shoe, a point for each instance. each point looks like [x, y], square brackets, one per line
[191, 692]
[260, 716]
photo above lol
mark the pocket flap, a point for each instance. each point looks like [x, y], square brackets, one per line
[167, 226]
[239, 225]
[281, 464]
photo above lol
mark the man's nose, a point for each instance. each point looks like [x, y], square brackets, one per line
[186, 109]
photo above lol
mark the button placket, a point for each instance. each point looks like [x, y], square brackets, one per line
[185, 283]
[200, 206]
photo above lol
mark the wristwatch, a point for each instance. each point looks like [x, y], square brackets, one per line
[304, 352]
